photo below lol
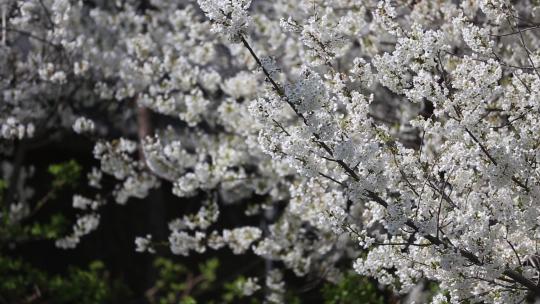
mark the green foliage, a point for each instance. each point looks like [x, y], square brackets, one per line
[17, 279]
[290, 298]
[3, 207]
[51, 230]
[82, 286]
[208, 271]
[66, 173]
[188, 300]
[3, 186]
[433, 289]
[232, 290]
[21, 283]
[352, 289]
[169, 283]
[177, 284]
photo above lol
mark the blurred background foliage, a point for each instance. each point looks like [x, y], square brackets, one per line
[105, 268]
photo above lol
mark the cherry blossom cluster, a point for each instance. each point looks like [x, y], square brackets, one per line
[402, 137]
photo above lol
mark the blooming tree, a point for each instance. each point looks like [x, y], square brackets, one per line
[401, 134]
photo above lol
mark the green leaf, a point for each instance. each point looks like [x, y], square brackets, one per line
[66, 173]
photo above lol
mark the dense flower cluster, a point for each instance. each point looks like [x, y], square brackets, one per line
[402, 135]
